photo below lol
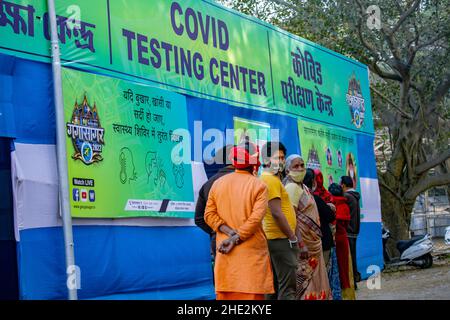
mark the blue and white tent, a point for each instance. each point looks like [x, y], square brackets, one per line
[137, 258]
[132, 258]
[118, 258]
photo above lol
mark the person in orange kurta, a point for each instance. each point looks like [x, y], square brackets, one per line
[235, 209]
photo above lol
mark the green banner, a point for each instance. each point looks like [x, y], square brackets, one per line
[120, 139]
[200, 48]
[320, 85]
[332, 151]
[246, 130]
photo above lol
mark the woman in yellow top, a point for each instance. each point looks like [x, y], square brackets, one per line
[312, 279]
[235, 209]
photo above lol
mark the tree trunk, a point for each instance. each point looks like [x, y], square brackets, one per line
[396, 217]
[448, 193]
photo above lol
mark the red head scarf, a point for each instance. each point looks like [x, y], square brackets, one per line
[320, 189]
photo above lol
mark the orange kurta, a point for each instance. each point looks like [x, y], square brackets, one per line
[239, 200]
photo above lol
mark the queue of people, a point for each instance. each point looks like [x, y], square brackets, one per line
[280, 235]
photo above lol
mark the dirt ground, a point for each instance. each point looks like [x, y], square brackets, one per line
[409, 283]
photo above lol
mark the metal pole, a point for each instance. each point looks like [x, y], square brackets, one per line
[61, 157]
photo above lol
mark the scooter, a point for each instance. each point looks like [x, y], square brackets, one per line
[447, 235]
[414, 252]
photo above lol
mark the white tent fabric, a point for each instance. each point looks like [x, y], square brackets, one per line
[35, 185]
[371, 201]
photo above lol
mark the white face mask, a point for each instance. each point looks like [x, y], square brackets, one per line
[276, 168]
[352, 173]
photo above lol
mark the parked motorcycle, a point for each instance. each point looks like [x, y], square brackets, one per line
[447, 235]
[415, 251]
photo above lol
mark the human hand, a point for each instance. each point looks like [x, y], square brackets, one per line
[303, 250]
[332, 206]
[333, 229]
[293, 240]
[226, 246]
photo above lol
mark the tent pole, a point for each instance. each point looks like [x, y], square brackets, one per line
[61, 157]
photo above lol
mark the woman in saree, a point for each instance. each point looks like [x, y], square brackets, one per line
[312, 279]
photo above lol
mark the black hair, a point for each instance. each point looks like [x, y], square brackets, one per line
[249, 169]
[309, 178]
[336, 190]
[270, 148]
[347, 181]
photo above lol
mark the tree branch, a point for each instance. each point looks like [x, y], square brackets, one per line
[384, 185]
[414, 49]
[286, 4]
[397, 161]
[402, 67]
[394, 49]
[385, 74]
[403, 113]
[364, 42]
[431, 41]
[416, 36]
[416, 87]
[427, 183]
[439, 93]
[423, 167]
[403, 17]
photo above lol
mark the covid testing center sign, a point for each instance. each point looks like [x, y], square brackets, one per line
[197, 48]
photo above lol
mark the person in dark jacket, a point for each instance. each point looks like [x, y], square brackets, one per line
[326, 214]
[353, 198]
[221, 158]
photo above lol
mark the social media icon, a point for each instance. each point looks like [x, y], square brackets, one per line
[91, 195]
[84, 195]
[76, 194]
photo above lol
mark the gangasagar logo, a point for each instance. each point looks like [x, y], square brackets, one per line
[355, 101]
[86, 133]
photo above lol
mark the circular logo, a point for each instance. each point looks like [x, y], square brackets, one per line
[86, 152]
[355, 101]
[86, 133]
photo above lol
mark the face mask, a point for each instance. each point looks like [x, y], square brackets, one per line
[274, 168]
[297, 176]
